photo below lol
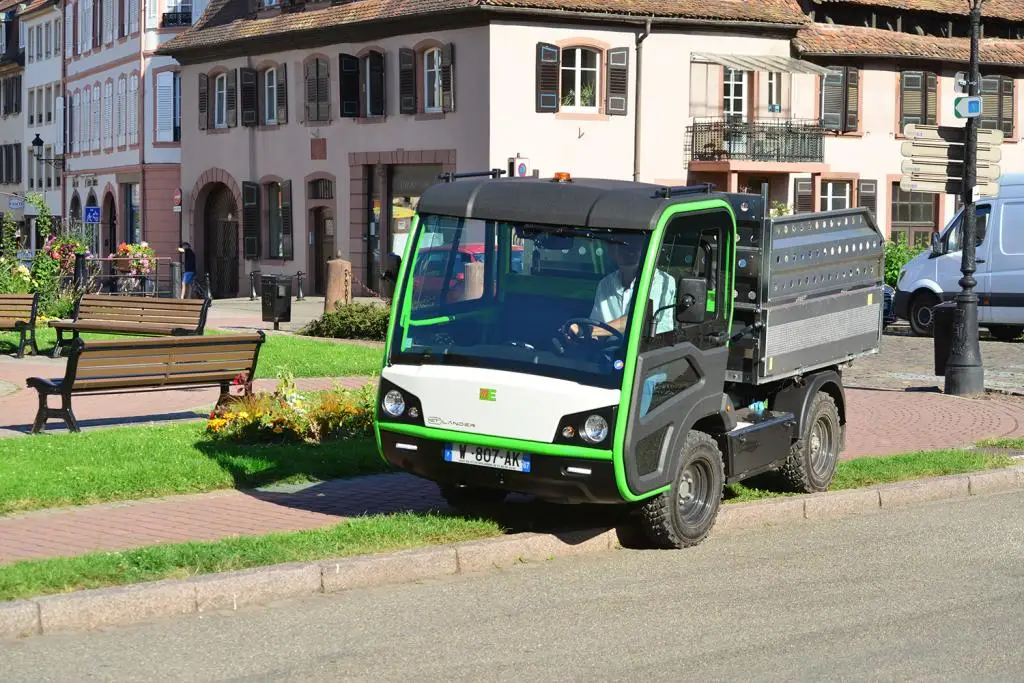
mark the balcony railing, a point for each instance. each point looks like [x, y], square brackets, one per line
[176, 19]
[769, 140]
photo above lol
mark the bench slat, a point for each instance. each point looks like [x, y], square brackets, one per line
[161, 371]
[140, 302]
[213, 342]
[132, 355]
[148, 319]
[116, 383]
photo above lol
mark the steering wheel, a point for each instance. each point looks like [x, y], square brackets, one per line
[616, 338]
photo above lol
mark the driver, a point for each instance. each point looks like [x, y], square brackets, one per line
[615, 291]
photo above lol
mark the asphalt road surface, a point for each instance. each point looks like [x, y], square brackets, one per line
[933, 592]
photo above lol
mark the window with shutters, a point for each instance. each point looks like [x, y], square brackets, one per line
[96, 112]
[39, 43]
[997, 93]
[275, 241]
[85, 122]
[373, 84]
[108, 21]
[803, 196]
[48, 39]
[840, 99]
[318, 92]
[108, 115]
[220, 101]
[432, 80]
[133, 16]
[168, 106]
[835, 195]
[918, 98]
[57, 38]
[30, 54]
[270, 96]
[867, 195]
[579, 79]
[48, 103]
[774, 92]
[914, 215]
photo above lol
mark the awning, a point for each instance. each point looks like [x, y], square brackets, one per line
[766, 63]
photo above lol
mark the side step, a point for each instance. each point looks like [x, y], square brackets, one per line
[756, 444]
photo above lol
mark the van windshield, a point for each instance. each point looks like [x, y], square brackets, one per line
[543, 299]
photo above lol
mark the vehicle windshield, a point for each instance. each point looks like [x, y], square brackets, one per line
[543, 299]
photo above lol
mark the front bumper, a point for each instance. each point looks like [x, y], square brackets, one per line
[549, 478]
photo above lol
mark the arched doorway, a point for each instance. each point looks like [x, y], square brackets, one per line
[220, 225]
[75, 210]
[110, 215]
[322, 249]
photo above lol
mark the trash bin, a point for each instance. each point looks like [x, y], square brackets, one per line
[277, 299]
[942, 334]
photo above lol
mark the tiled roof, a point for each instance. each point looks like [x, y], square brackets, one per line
[8, 4]
[821, 40]
[1012, 10]
[226, 21]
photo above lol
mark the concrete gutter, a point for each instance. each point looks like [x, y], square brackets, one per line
[120, 606]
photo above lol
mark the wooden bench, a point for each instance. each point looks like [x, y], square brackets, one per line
[134, 315]
[18, 314]
[163, 363]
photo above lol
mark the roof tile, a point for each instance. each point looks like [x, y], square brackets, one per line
[1012, 10]
[821, 40]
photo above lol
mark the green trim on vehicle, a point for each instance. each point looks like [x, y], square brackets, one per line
[532, 447]
[636, 330]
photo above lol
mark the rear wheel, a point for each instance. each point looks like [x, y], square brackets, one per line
[812, 461]
[684, 515]
[1006, 333]
[459, 496]
[921, 316]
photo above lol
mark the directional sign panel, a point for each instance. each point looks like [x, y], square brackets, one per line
[967, 107]
[955, 134]
[938, 185]
[950, 169]
[939, 150]
[92, 214]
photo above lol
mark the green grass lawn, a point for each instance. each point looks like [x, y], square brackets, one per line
[359, 536]
[126, 463]
[302, 356]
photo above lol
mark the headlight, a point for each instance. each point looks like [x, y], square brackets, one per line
[595, 429]
[394, 403]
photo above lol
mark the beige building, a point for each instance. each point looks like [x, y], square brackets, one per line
[291, 156]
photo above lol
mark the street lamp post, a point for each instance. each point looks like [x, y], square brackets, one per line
[965, 373]
[37, 150]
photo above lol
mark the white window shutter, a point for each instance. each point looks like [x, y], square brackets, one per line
[133, 16]
[152, 20]
[108, 115]
[108, 21]
[165, 106]
[58, 119]
[133, 110]
[82, 143]
[122, 104]
[87, 34]
[96, 111]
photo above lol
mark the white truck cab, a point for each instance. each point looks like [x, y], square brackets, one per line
[934, 275]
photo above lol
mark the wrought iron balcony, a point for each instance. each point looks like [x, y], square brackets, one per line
[766, 140]
[176, 19]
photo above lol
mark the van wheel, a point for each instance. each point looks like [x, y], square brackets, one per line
[684, 515]
[1005, 333]
[812, 460]
[921, 316]
[459, 496]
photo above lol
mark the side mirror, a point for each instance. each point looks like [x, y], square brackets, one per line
[692, 300]
[936, 244]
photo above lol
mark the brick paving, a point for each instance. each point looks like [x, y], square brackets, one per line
[884, 418]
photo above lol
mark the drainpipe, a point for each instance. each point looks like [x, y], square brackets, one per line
[67, 107]
[636, 107]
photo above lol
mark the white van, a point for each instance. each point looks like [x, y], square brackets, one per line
[934, 275]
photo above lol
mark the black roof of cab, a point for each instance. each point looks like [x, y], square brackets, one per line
[583, 202]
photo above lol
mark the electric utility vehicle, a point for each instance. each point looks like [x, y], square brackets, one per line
[627, 343]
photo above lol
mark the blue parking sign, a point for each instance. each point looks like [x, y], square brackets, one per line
[92, 214]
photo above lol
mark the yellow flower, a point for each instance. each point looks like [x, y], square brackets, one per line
[243, 414]
[229, 416]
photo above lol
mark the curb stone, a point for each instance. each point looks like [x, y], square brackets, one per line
[123, 605]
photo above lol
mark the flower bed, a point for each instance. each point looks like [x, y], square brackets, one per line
[290, 415]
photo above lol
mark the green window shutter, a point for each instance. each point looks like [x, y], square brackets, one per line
[617, 82]
[548, 65]
[286, 221]
[251, 220]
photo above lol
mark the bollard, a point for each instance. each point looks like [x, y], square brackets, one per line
[299, 296]
[207, 294]
[254, 276]
[79, 278]
[175, 280]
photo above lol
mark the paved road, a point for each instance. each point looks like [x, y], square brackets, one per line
[926, 593]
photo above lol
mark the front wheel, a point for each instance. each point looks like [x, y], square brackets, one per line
[812, 461]
[922, 319]
[1006, 333]
[684, 515]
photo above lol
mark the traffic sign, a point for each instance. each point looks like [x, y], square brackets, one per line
[955, 134]
[967, 107]
[941, 150]
[92, 214]
[933, 159]
[947, 168]
[938, 185]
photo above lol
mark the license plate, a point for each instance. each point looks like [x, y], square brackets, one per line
[484, 456]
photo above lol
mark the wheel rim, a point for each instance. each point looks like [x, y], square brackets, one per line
[695, 495]
[923, 316]
[822, 447]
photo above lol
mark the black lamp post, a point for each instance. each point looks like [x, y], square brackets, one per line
[965, 373]
[37, 151]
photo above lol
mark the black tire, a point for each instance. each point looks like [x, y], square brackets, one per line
[471, 496]
[920, 313]
[684, 515]
[1006, 333]
[812, 461]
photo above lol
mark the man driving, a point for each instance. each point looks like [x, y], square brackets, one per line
[615, 291]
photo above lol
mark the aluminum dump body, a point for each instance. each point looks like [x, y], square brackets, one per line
[814, 283]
